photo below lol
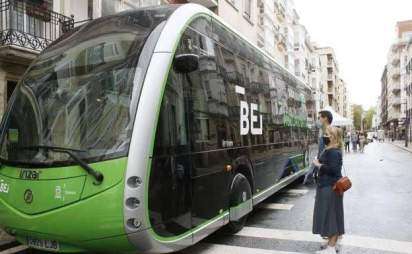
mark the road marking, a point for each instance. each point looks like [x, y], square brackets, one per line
[276, 206]
[15, 250]
[297, 191]
[349, 240]
[204, 248]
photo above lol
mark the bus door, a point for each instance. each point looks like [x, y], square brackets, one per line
[205, 101]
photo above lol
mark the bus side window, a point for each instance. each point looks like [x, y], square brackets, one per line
[227, 70]
[206, 98]
[172, 130]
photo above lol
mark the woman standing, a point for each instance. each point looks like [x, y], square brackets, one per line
[328, 217]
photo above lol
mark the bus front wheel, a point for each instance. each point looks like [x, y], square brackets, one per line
[240, 203]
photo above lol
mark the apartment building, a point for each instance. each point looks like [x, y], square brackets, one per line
[26, 28]
[329, 75]
[272, 25]
[332, 87]
[342, 97]
[315, 80]
[408, 88]
[275, 32]
[377, 120]
[395, 96]
[384, 99]
[269, 32]
[302, 52]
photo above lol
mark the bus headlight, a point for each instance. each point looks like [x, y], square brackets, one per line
[134, 181]
[132, 203]
[133, 223]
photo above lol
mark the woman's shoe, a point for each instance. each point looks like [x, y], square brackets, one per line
[324, 245]
[338, 246]
[327, 250]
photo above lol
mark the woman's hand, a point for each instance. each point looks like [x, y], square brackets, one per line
[317, 163]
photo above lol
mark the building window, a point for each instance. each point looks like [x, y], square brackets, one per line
[247, 8]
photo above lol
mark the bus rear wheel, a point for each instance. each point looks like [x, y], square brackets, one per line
[240, 203]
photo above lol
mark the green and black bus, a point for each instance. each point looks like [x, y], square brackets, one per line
[145, 132]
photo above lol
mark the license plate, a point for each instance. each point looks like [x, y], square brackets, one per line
[44, 244]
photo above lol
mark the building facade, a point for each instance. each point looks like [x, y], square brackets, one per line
[384, 101]
[26, 28]
[395, 83]
[333, 87]
[408, 89]
[272, 25]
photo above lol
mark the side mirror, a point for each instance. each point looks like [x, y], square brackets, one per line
[186, 63]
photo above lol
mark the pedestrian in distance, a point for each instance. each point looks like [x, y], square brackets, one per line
[328, 215]
[325, 120]
[347, 142]
[354, 140]
[362, 142]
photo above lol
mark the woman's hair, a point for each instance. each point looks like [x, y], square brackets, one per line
[336, 135]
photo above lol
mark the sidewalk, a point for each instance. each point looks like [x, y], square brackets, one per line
[401, 144]
[4, 236]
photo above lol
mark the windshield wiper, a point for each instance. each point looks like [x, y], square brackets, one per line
[72, 153]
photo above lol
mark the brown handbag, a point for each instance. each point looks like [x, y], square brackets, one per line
[342, 184]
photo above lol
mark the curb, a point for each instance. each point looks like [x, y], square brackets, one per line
[402, 147]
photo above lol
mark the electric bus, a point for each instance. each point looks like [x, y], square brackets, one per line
[145, 132]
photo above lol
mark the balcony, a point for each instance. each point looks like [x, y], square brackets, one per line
[26, 27]
[395, 101]
[396, 60]
[396, 88]
[206, 3]
[330, 62]
[281, 42]
[280, 12]
[260, 40]
[396, 74]
[296, 46]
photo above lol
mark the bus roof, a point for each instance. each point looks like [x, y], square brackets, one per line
[181, 18]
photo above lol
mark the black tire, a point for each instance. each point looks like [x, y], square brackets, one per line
[240, 191]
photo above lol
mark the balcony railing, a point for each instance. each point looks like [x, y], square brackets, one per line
[29, 25]
[330, 62]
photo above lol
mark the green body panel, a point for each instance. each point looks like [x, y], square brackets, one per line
[46, 194]
[97, 214]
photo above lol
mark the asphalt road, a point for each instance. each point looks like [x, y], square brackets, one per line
[378, 212]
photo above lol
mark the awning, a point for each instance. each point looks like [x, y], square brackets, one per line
[338, 120]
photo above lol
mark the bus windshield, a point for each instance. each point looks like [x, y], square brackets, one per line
[78, 94]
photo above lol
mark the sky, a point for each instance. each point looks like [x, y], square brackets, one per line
[361, 32]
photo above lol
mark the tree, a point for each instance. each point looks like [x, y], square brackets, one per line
[357, 116]
[369, 118]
